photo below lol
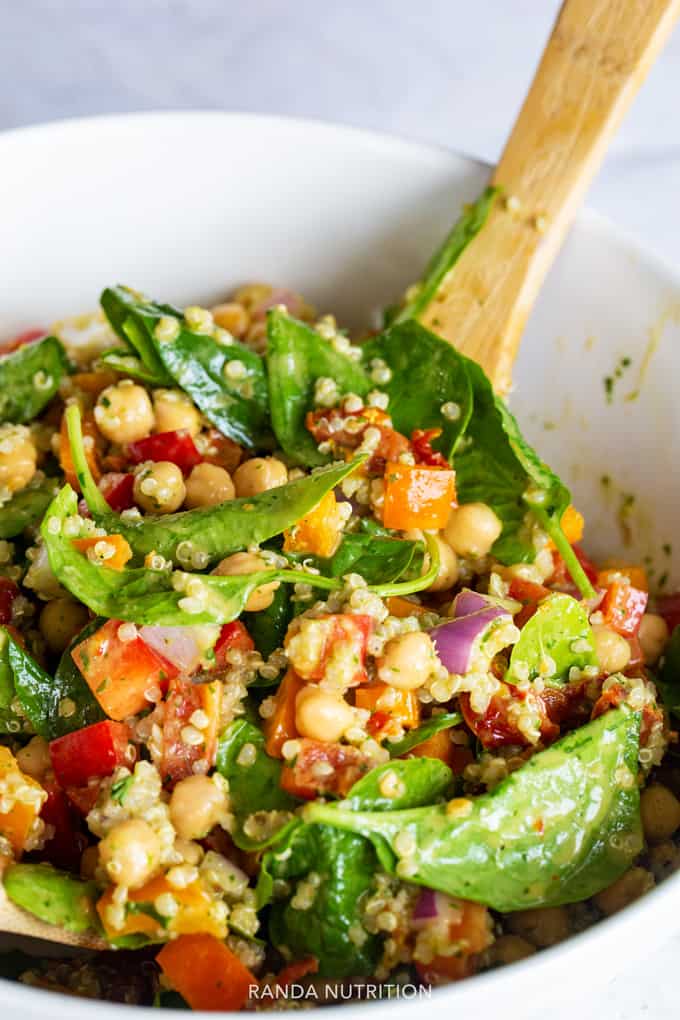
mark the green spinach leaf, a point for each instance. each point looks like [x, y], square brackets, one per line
[435, 724]
[26, 507]
[442, 262]
[558, 830]
[268, 626]
[29, 378]
[123, 360]
[253, 785]
[225, 379]
[296, 357]
[557, 637]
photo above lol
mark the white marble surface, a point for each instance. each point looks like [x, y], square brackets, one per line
[452, 72]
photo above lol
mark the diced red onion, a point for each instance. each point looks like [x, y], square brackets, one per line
[434, 908]
[455, 640]
[467, 602]
[176, 644]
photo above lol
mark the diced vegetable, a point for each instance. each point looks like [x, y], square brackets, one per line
[176, 447]
[22, 801]
[117, 488]
[188, 750]
[458, 641]
[280, 726]
[114, 560]
[623, 607]
[194, 914]
[206, 973]
[418, 496]
[319, 531]
[341, 766]
[182, 647]
[572, 524]
[334, 642]
[90, 435]
[118, 672]
[387, 704]
[8, 593]
[93, 751]
[614, 570]
[233, 636]
[421, 441]
[64, 849]
[401, 608]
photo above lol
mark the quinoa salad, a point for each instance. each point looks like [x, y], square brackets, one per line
[306, 678]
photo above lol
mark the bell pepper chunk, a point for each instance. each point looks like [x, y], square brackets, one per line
[318, 532]
[280, 726]
[332, 645]
[119, 673]
[614, 570]
[342, 765]
[93, 751]
[418, 496]
[401, 607]
[176, 447]
[180, 757]
[90, 435]
[117, 489]
[388, 704]
[233, 636]
[206, 973]
[25, 798]
[112, 551]
[623, 607]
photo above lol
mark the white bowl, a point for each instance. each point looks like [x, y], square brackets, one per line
[185, 206]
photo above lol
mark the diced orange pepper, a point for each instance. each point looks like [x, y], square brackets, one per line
[318, 532]
[122, 551]
[401, 706]
[280, 726]
[401, 607]
[418, 496]
[206, 973]
[16, 824]
[90, 432]
[636, 574]
[623, 607]
[194, 915]
[440, 745]
[93, 382]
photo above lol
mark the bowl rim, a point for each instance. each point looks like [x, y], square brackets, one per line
[493, 982]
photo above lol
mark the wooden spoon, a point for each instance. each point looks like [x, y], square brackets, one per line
[595, 61]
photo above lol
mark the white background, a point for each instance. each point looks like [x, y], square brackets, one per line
[452, 72]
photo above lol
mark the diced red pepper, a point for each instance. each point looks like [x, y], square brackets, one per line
[28, 336]
[337, 639]
[177, 447]
[623, 607]
[668, 606]
[221, 451]
[421, 441]
[496, 728]
[233, 637]
[304, 779]
[120, 672]
[64, 849]
[116, 488]
[387, 705]
[181, 759]
[8, 593]
[530, 595]
[280, 725]
[328, 425]
[93, 751]
[83, 798]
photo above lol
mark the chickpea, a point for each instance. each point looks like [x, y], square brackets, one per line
[259, 475]
[123, 412]
[664, 859]
[248, 563]
[159, 487]
[631, 886]
[208, 485]
[321, 716]
[174, 411]
[60, 621]
[653, 636]
[130, 854]
[233, 317]
[612, 649]
[543, 926]
[407, 661]
[448, 568]
[660, 811]
[18, 457]
[34, 759]
[509, 949]
[472, 530]
[196, 806]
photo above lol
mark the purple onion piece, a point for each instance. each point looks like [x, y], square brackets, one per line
[426, 905]
[176, 644]
[467, 602]
[455, 641]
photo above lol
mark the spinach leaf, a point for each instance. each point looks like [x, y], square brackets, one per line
[123, 360]
[296, 357]
[668, 677]
[419, 781]
[378, 557]
[427, 374]
[215, 531]
[39, 695]
[26, 507]
[442, 262]
[225, 379]
[558, 830]
[435, 724]
[268, 626]
[559, 633]
[54, 896]
[29, 378]
[254, 786]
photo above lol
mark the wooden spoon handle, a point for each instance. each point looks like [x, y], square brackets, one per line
[594, 63]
